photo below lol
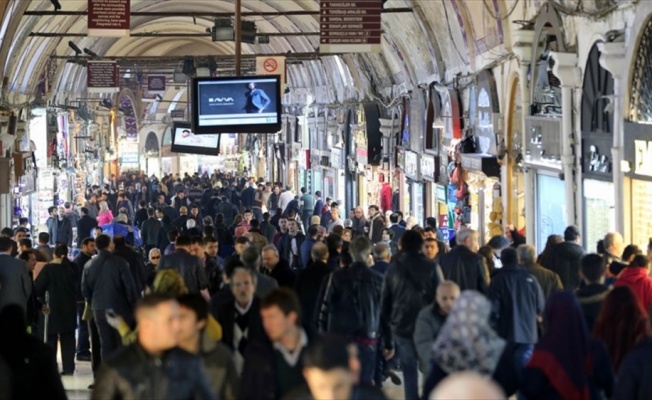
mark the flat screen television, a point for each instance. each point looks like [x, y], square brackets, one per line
[245, 104]
[185, 141]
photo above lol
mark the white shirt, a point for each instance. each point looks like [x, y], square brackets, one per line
[292, 358]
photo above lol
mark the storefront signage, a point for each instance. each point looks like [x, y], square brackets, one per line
[336, 157]
[643, 158]
[156, 84]
[412, 165]
[178, 114]
[400, 158]
[487, 106]
[428, 167]
[440, 191]
[350, 26]
[361, 151]
[102, 77]
[109, 18]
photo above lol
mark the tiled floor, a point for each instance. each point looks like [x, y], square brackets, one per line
[77, 385]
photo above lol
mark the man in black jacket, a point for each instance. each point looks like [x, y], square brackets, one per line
[410, 284]
[351, 305]
[149, 230]
[273, 367]
[107, 284]
[83, 341]
[309, 281]
[463, 265]
[592, 294]
[565, 259]
[276, 267]
[62, 228]
[376, 224]
[141, 214]
[85, 227]
[290, 245]
[517, 305]
[135, 261]
[188, 266]
[153, 367]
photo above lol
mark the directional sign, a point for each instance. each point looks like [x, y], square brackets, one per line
[350, 26]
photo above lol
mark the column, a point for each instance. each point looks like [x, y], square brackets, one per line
[613, 60]
[523, 41]
[569, 74]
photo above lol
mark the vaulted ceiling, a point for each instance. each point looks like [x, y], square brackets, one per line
[434, 41]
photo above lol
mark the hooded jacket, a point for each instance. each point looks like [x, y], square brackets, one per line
[638, 280]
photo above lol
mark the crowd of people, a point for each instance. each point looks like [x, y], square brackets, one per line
[225, 287]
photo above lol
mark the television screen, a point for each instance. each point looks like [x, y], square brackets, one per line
[248, 104]
[185, 141]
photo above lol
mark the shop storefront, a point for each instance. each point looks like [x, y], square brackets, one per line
[597, 139]
[428, 170]
[638, 182]
[414, 199]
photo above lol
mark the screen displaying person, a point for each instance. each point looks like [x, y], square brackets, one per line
[257, 99]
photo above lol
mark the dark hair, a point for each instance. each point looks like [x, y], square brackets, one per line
[43, 237]
[210, 239]
[621, 323]
[338, 230]
[51, 208]
[550, 244]
[498, 242]
[640, 261]
[23, 220]
[487, 254]
[153, 300]
[334, 242]
[630, 251]
[313, 230]
[571, 233]
[242, 240]
[254, 223]
[142, 203]
[508, 256]
[197, 240]
[6, 244]
[393, 218]
[389, 232]
[196, 303]
[327, 353]
[119, 241]
[285, 299]
[88, 240]
[593, 268]
[173, 234]
[151, 212]
[25, 243]
[183, 241]
[599, 247]
[103, 242]
[61, 250]
[266, 217]
[8, 232]
[411, 241]
[84, 210]
[25, 255]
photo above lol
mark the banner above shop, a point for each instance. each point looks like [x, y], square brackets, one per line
[102, 77]
[412, 165]
[487, 107]
[109, 18]
[156, 84]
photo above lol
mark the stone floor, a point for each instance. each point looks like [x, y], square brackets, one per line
[77, 385]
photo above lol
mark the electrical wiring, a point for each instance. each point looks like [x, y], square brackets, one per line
[499, 17]
[450, 33]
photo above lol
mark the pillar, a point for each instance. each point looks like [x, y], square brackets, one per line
[613, 60]
[523, 41]
[569, 75]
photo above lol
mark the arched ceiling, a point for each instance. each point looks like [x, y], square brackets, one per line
[437, 39]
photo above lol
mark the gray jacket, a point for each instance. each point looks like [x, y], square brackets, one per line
[220, 368]
[264, 284]
[429, 323]
[15, 283]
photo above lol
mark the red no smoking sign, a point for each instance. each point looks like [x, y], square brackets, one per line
[270, 65]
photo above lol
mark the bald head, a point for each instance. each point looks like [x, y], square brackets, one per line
[467, 386]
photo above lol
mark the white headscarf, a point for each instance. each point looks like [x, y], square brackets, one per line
[466, 341]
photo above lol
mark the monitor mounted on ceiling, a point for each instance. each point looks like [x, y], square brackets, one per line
[245, 104]
[185, 141]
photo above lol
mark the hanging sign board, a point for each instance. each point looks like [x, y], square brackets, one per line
[271, 66]
[109, 18]
[350, 26]
[156, 84]
[102, 77]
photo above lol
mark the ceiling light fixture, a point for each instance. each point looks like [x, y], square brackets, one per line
[90, 52]
[223, 30]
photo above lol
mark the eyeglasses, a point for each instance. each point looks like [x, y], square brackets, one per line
[156, 258]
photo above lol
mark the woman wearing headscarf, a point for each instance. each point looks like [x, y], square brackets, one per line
[621, 324]
[467, 342]
[567, 363]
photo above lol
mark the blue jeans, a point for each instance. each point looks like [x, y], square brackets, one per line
[409, 360]
[367, 357]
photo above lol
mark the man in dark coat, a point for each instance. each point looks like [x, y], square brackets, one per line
[15, 283]
[309, 281]
[548, 280]
[410, 284]
[141, 214]
[83, 341]
[565, 259]
[85, 226]
[62, 228]
[135, 261]
[149, 230]
[188, 266]
[463, 265]
[107, 284]
[592, 294]
[58, 279]
[376, 224]
[290, 245]
[276, 267]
